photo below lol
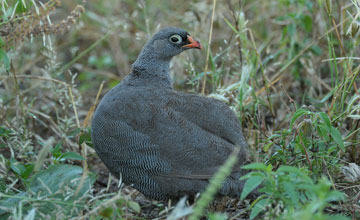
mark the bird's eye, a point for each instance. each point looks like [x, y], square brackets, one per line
[176, 39]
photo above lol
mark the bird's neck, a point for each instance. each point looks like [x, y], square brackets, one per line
[149, 70]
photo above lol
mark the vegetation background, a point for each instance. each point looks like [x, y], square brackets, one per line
[288, 68]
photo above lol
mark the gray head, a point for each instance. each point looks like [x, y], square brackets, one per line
[153, 61]
[169, 42]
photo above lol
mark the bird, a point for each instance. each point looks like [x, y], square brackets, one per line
[166, 143]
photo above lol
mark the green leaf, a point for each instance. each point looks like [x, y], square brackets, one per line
[56, 151]
[113, 83]
[74, 133]
[250, 185]
[23, 170]
[231, 26]
[106, 212]
[325, 119]
[72, 156]
[4, 132]
[218, 216]
[86, 137]
[212, 64]
[260, 206]
[316, 50]
[298, 114]
[31, 215]
[134, 206]
[307, 22]
[253, 173]
[356, 117]
[2, 43]
[21, 8]
[292, 29]
[327, 96]
[336, 135]
[56, 176]
[4, 59]
[274, 136]
[323, 131]
[29, 168]
[289, 188]
[16, 166]
[332, 148]
[267, 146]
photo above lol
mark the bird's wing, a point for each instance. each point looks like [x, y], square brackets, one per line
[123, 149]
[191, 150]
[210, 114]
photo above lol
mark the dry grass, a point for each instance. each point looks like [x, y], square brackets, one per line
[267, 60]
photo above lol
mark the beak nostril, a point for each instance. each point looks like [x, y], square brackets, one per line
[190, 39]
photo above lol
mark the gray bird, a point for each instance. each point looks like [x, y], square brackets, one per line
[166, 143]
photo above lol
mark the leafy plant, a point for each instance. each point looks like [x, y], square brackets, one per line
[59, 156]
[288, 193]
[59, 185]
[313, 141]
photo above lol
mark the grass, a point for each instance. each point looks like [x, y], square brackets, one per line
[289, 69]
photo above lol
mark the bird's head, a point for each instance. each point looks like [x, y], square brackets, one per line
[169, 42]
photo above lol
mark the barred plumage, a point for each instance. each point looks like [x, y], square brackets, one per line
[166, 143]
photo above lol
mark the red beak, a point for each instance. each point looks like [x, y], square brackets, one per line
[193, 43]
